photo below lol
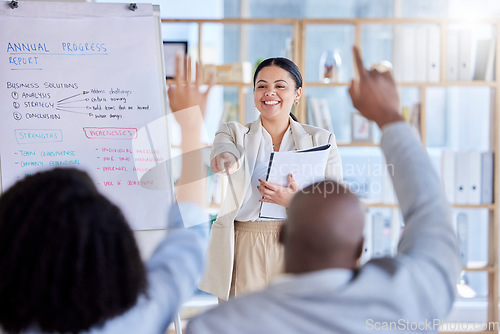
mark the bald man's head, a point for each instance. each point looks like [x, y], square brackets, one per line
[324, 229]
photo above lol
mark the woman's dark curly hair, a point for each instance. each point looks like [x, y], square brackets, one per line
[68, 259]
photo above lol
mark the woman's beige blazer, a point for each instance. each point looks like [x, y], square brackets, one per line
[244, 142]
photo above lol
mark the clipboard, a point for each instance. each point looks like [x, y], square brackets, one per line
[306, 166]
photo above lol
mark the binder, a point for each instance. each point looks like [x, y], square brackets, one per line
[366, 255]
[388, 194]
[486, 178]
[462, 236]
[378, 235]
[462, 183]
[434, 53]
[474, 186]
[448, 174]
[452, 55]
[398, 53]
[409, 48]
[485, 59]
[306, 166]
[465, 55]
[395, 227]
[421, 53]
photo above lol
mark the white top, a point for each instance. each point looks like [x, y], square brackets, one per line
[250, 208]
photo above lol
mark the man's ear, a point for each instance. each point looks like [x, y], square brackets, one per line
[281, 237]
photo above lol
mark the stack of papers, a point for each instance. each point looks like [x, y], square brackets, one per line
[306, 166]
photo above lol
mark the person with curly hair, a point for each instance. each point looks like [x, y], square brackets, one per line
[68, 259]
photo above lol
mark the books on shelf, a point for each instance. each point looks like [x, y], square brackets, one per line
[467, 176]
[318, 113]
[230, 73]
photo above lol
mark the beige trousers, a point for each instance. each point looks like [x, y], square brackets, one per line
[258, 255]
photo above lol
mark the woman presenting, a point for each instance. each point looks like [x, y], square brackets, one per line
[244, 253]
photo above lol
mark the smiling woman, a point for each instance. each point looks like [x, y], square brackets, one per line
[256, 256]
[274, 94]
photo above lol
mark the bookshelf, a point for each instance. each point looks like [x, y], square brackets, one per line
[355, 29]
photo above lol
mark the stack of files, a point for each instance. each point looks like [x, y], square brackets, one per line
[467, 176]
[469, 56]
[459, 55]
[306, 166]
[417, 53]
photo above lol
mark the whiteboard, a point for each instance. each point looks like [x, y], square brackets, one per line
[82, 86]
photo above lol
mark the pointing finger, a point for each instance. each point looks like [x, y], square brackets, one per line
[358, 61]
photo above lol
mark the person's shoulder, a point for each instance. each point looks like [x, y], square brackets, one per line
[226, 317]
[236, 126]
[236, 306]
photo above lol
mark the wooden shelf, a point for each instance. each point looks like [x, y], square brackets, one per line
[236, 84]
[449, 84]
[480, 268]
[380, 205]
[357, 144]
[396, 21]
[324, 84]
[400, 84]
[234, 21]
[470, 206]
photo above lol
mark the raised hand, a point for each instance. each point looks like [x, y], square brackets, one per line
[185, 93]
[375, 95]
[188, 103]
